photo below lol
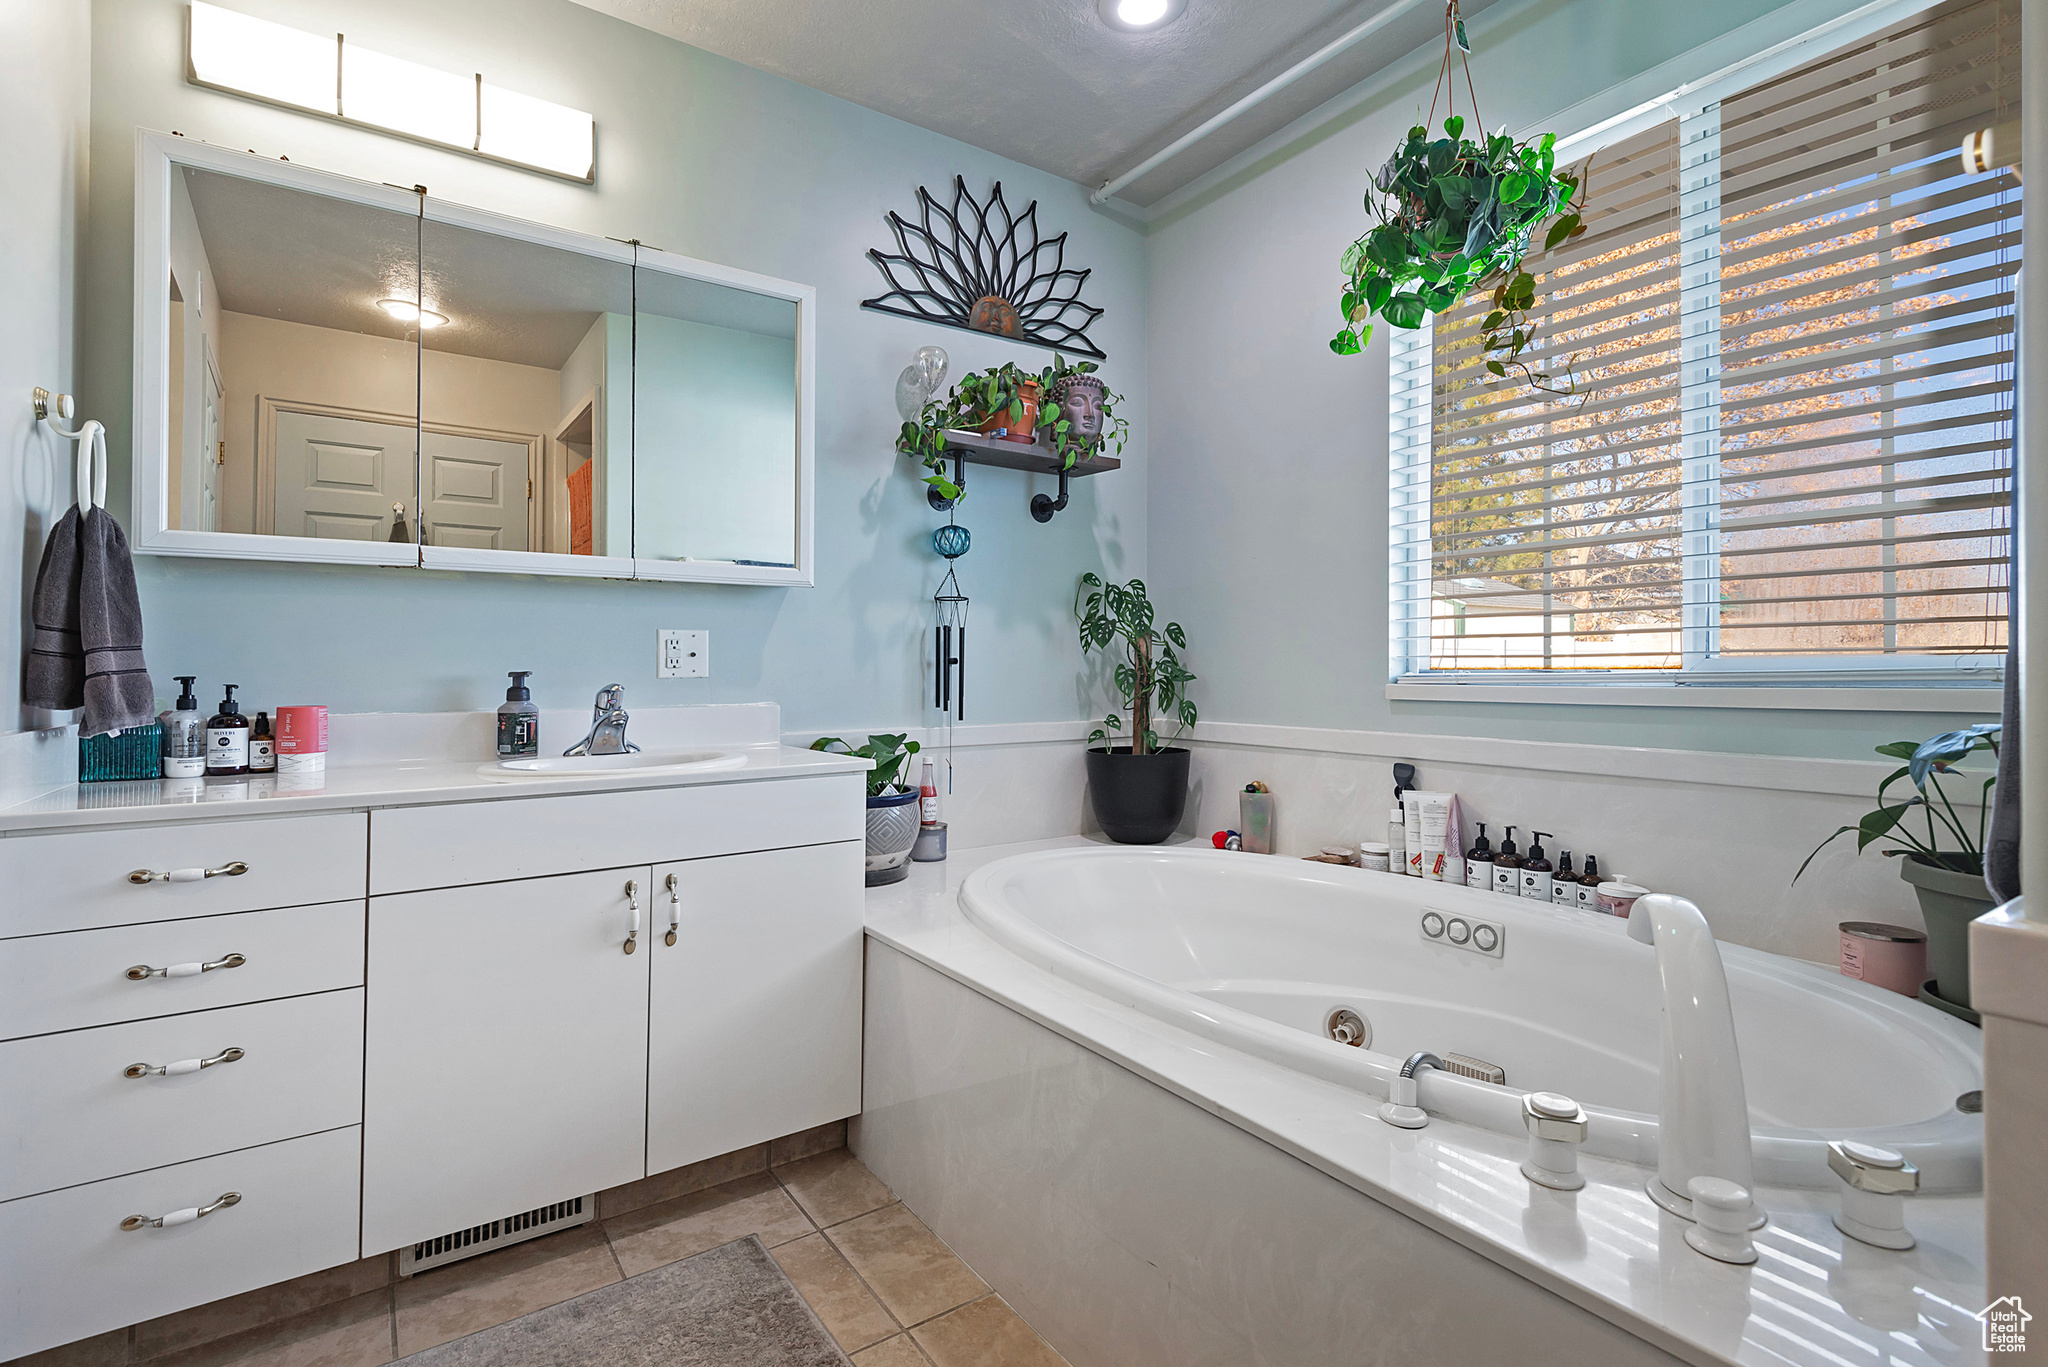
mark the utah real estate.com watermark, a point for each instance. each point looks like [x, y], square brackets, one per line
[2005, 1325]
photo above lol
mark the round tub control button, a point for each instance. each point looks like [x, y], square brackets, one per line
[1432, 925]
[1457, 932]
[1485, 937]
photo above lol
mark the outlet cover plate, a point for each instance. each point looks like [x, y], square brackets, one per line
[682, 654]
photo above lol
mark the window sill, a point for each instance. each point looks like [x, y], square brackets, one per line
[1762, 697]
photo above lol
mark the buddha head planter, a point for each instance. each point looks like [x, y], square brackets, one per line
[1079, 399]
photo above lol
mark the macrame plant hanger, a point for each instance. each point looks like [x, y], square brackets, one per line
[1446, 85]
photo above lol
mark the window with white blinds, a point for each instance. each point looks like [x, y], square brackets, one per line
[1789, 332]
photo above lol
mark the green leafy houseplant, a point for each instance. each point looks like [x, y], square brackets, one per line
[1150, 675]
[1926, 763]
[1455, 215]
[890, 754]
[1000, 389]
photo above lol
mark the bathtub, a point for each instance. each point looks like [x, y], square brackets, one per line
[1258, 954]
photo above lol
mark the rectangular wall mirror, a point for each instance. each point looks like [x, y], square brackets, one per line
[333, 371]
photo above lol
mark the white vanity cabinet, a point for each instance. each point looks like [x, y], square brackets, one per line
[754, 1011]
[506, 1059]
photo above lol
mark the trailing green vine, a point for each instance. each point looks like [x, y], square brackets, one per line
[977, 398]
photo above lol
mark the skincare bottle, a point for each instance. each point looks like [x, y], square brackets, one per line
[518, 720]
[1479, 862]
[1397, 840]
[262, 746]
[1507, 865]
[1586, 897]
[1536, 870]
[227, 737]
[1564, 884]
[184, 734]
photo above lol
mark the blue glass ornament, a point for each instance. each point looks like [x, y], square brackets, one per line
[951, 541]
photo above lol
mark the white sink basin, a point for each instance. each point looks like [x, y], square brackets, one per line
[597, 766]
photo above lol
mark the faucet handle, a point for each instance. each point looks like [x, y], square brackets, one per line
[609, 698]
[1721, 1220]
[1875, 1182]
[1557, 1126]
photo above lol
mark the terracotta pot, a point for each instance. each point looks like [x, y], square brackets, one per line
[1025, 432]
[1949, 901]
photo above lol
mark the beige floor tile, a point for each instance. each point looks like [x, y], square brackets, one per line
[667, 1186]
[833, 1187]
[986, 1333]
[915, 1275]
[450, 1302]
[897, 1352]
[350, 1333]
[676, 1229]
[835, 1292]
[204, 1323]
[804, 1143]
[101, 1350]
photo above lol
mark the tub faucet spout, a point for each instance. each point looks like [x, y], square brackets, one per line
[1702, 1110]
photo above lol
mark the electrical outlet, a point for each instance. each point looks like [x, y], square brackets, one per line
[682, 654]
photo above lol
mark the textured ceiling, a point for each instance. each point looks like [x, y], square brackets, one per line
[1046, 82]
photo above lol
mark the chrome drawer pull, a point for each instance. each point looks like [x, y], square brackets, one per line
[181, 1067]
[143, 972]
[633, 905]
[233, 870]
[182, 1217]
[675, 909]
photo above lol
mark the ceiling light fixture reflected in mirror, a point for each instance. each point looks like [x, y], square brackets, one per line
[406, 311]
[1139, 16]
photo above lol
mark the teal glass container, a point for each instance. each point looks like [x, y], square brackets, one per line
[137, 752]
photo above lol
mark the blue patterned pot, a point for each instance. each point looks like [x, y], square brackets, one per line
[892, 830]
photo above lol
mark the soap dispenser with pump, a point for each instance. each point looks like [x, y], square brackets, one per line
[518, 720]
[1536, 870]
[1507, 866]
[1564, 884]
[1479, 862]
[184, 734]
[227, 737]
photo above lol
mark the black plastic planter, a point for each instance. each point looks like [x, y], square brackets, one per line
[1138, 798]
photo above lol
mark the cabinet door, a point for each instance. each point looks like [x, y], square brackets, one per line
[754, 1012]
[506, 1058]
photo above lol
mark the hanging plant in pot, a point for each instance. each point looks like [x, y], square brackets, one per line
[1457, 215]
[1139, 789]
[892, 804]
[1944, 861]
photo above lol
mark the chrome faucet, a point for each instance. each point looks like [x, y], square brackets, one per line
[1702, 1110]
[607, 726]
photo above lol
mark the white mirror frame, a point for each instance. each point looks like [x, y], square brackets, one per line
[155, 156]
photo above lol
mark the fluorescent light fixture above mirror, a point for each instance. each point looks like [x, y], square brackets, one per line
[342, 80]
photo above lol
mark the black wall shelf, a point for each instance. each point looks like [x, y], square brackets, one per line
[1034, 458]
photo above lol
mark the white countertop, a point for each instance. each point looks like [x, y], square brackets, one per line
[1814, 1297]
[405, 760]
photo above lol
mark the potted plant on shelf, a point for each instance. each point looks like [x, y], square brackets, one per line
[1001, 402]
[1079, 413]
[892, 804]
[1139, 789]
[1949, 882]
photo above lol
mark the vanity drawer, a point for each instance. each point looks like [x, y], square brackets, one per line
[414, 848]
[72, 1115]
[73, 1271]
[79, 880]
[80, 978]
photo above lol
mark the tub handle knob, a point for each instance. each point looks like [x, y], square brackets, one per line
[1721, 1212]
[1557, 1126]
[1874, 1185]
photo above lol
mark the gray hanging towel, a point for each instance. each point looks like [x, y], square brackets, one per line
[56, 652]
[118, 693]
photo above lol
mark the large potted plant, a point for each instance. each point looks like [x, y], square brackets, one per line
[1139, 789]
[1940, 851]
[892, 804]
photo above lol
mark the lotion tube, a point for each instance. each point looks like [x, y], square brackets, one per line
[1429, 818]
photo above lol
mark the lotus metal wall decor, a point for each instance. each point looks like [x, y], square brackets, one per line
[982, 268]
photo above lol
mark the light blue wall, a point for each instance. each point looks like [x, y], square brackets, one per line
[1268, 503]
[699, 156]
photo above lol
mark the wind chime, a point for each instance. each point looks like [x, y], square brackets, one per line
[949, 682]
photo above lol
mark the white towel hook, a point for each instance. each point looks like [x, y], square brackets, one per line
[89, 481]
